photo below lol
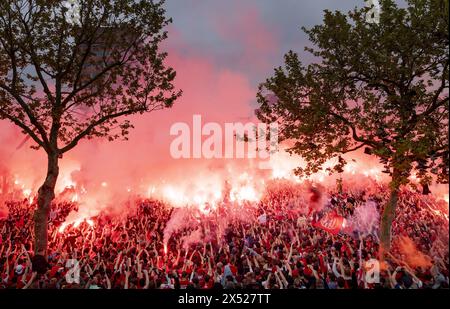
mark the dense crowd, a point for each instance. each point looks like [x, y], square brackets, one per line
[266, 245]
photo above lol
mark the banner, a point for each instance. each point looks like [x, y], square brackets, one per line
[331, 222]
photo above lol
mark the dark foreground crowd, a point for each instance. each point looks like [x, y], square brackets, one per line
[273, 247]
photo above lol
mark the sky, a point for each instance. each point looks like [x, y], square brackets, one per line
[249, 36]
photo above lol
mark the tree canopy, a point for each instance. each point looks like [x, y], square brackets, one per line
[61, 81]
[382, 87]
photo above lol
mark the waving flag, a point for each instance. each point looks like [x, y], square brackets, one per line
[331, 222]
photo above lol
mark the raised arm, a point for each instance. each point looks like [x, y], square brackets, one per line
[290, 252]
[147, 280]
[127, 277]
[283, 278]
[249, 263]
[280, 283]
[334, 268]
[116, 265]
[33, 276]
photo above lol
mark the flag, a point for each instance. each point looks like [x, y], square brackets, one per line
[331, 222]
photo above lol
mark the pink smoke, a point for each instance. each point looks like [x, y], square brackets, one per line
[366, 219]
[179, 220]
[193, 238]
[412, 256]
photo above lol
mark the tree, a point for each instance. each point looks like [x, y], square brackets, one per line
[76, 69]
[382, 87]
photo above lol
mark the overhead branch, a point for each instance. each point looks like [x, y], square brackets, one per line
[25, 128]
[355, 135]
[98, 122]
[28, 112]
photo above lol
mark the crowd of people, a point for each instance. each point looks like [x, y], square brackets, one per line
[271, 244]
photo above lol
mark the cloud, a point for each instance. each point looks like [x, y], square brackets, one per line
[255, 43]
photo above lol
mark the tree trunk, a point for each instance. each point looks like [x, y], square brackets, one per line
[388, 215]
[46, 194]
